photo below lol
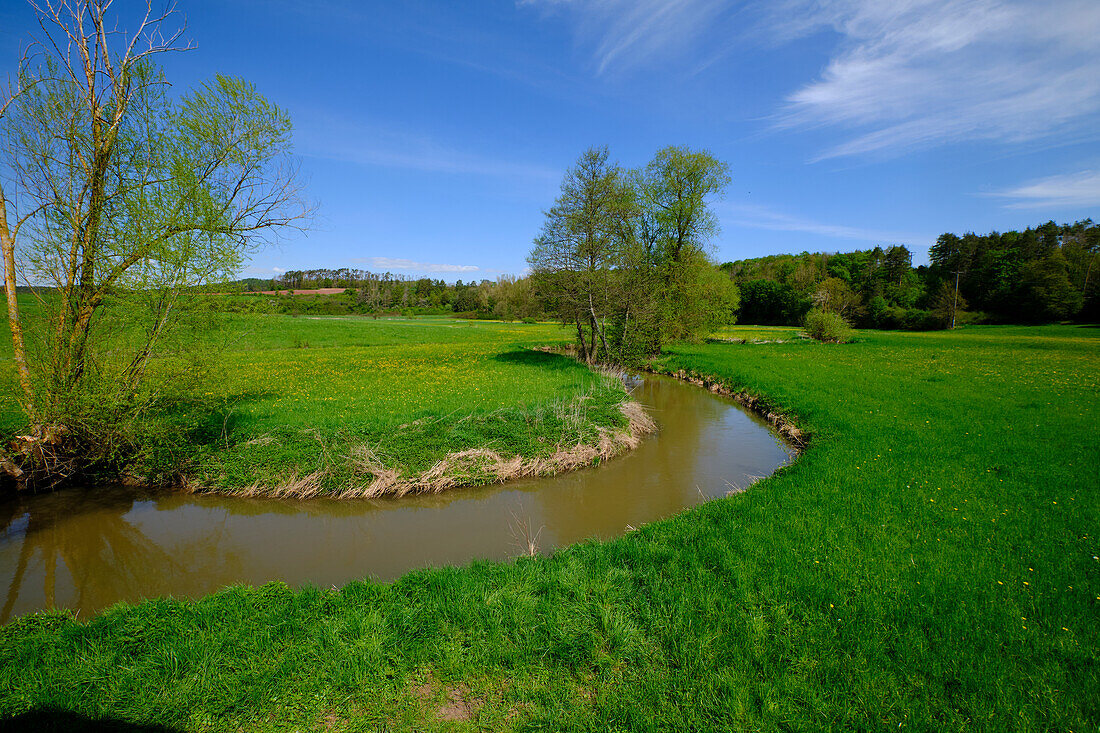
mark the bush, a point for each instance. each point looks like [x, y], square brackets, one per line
[922, 320]
[827, 327]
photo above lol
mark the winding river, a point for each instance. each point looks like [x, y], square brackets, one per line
[86, 549]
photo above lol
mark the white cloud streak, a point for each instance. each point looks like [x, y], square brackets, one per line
[398, 263]
[762, 217]
[1062, 191]
[916, 73]
[902, 74]
[627, 33]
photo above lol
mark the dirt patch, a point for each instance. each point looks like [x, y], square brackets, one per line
[457, 704]
[330, 720]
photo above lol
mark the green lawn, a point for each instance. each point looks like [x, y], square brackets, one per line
[929, 563]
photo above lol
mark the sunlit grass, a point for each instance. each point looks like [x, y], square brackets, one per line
[289, 396]
[751, 334]
[929, 563]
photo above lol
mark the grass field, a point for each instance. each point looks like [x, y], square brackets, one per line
[757, 334]
[342, 400]
[929, 563]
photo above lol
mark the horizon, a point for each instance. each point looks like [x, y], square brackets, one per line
[434, 137]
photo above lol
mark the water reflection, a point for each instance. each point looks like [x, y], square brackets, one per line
[88, 549]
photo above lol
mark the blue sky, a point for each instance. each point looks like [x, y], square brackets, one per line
[434, 134]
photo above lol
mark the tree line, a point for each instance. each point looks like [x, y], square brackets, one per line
[1045, 273]
[627, 269]
[507, 298]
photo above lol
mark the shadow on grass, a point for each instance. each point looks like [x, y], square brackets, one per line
[539, 359]
[181, 427]
[51, 719]
[206, 421]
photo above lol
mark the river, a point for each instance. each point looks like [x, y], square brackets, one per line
[86, 549]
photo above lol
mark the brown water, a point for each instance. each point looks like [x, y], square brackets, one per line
[86, 549]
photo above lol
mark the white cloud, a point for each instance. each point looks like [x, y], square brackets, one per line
[628, 33]
[762, 217]
[917, 73]
[901, 75]
[1062, 191]
[397, 263]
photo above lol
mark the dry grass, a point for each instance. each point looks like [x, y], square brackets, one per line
[476, 466]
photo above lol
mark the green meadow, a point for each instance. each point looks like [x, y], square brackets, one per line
[294, 396]
[930, 562]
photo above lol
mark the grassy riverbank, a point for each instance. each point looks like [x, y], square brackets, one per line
[355, 406]
[928, 563]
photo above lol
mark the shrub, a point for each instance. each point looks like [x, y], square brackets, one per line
[828, 327]
[922, 320]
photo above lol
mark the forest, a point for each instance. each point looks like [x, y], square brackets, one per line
[1040, 275]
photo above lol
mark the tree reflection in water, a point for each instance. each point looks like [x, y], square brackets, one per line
[79, 550]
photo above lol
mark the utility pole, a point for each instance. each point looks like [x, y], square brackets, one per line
[955, 305]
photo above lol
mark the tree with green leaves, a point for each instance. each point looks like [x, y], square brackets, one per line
[624, 257]
[576, 254]
[127, 200]
[675, 192]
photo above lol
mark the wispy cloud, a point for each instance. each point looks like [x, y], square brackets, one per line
[374, 145]
[919, 73]
[626, 33]
[397, 263]
[1063, 191]
[902, 74]
[756, 216]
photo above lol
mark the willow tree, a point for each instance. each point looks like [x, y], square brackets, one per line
[127, 199]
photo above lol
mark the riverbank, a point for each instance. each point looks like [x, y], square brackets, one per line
[562, 437]
[359, 408]
[929, 563]
[86, 549]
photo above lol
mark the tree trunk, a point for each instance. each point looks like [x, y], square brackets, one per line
[593, 351]
[18, 346]
[580, 338]
[596, 326]
[624, 337]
